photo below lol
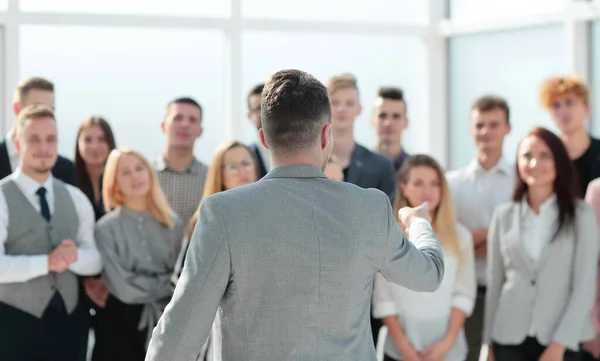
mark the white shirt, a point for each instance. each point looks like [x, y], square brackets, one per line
[537, 229]
[13, 154]
[22, 268]
[476, 194]
[425, 316]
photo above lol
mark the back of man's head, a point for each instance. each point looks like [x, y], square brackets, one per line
[295, 106]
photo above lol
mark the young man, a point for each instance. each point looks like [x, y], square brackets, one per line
[180, 174]
[32, 91]
[568, 101]
[477, 189]
[290, 278]
[46, 239]
[389, 120]
[360, 166]
[254, 114]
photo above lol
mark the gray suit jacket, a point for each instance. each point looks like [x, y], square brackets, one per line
[556, 296]
[289, 262]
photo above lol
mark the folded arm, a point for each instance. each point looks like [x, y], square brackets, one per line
[89, 262]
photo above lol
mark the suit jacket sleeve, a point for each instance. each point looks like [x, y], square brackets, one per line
[188, 318]
[387, 184]
[583, 291]
[64, 170]
[495, 276]
[417, 264]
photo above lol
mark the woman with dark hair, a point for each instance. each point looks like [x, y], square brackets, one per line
[95, 141]
[542, 256]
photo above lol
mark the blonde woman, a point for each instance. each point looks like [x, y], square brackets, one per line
[140, 239]
[429, 326]
[233, 165]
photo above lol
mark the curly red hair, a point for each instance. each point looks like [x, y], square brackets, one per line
[556, 87]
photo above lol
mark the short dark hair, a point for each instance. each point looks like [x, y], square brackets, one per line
[392, 93]
[294, 105]
[185, 100]
[491, 102]
[256, 90]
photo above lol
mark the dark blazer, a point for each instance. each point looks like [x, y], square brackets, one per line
[63, 169]
[262, 170]
[371, 170]
[594, 171]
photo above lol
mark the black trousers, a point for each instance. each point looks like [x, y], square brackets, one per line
[117, 334]
[56, 336]
[529, 350]
[474, 326]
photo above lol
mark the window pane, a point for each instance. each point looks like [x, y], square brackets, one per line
[595, 77]
[3, 5]
[511, 64]
[493, 9]
[377, 11]
[375, 61]
[105, 76]
[215, 8]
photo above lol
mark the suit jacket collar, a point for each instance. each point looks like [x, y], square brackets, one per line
[356, 163]
[296, 171]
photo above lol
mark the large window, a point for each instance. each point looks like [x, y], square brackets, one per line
[97, 72]
[325, 55]
[511, 64]
[595, 71]
[480, 10]
[376, 11]
[215, 8]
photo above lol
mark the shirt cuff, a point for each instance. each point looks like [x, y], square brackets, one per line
[383, 309]
[463, 303]
[38, 266]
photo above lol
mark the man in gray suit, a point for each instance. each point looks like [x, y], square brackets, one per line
[292, 278]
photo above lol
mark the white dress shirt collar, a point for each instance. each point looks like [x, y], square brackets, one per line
[547, 209]
[13, 154]
[30, 186]
[503, 166]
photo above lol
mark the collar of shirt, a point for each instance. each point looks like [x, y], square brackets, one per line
[501, 167]
[193, 168]
[548, 209]
[30, 186]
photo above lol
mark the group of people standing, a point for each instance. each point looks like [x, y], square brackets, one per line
[104, 242]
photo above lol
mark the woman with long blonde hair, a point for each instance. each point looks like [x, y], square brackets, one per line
[139, 239]
[429, 326]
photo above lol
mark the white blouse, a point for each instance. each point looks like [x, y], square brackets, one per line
[425, 316]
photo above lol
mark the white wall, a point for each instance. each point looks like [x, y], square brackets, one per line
[374, 60]
[128, 75]
[511, 64]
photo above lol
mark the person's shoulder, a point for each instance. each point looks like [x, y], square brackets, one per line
[374, 157]
[108, 219]
[593, 188]
[505, 208]
[457, 174]
[463, 234]
[64, 161]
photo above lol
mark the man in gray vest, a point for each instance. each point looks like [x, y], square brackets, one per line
[46, 239]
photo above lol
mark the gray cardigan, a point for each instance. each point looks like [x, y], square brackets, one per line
[555, 296]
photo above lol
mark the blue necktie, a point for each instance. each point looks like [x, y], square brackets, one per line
[45, 209]
[56, 302]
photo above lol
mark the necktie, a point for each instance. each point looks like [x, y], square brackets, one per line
[56, 302]
[45, 209]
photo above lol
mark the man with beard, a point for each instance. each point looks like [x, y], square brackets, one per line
[46, 239]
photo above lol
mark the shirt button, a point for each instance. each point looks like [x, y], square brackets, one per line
[533, 282]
